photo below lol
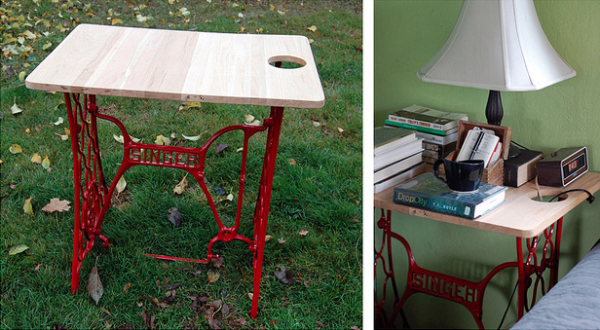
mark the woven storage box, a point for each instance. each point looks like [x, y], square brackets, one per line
[494, 173]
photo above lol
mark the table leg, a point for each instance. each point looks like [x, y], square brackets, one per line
[90, 187]
[530, 265]
[261, 213]
[92, 197]
[419, 280]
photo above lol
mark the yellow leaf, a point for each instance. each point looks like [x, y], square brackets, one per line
[121, 185]
[249, 118]
[15, 109]
[212, 276]
[194, 104]
[30, 35]
[272, 6]
[59, 121]
[47, 45]
[22, 75]
[162, 140]
[17, 249]
[292, 161]
[15, 149]
[46, 163]
[27, 208]
[313, 28]
[118, 138]
[115, 21]
[37, 159]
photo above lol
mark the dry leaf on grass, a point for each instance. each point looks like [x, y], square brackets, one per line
[303, 232]
[56, 205]
[95, 288]
[284, 275]
[217, 262]
[121, 185]
[15, 149]
[181, 186]
[37, 159]
[174, 216]
[212, 276]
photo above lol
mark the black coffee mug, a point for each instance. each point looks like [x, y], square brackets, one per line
[463, 176]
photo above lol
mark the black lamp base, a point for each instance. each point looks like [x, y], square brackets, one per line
[493, 110]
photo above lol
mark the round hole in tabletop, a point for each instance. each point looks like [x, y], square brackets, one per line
[287, 61]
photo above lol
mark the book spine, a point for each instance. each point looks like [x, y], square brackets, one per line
[455, 208]
[415, 127]
[433, 138]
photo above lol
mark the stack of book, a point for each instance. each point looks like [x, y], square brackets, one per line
[427, 192]
[438, 129]
[398, 156]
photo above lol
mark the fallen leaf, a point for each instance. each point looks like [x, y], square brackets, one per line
[292, 161]
[230, 197]
[160, 304]
[37, 268]
[284, 275]
[313, 28]
[220, 147]
[254, 123]
[126, 288]
[268, 238]
[121, 185]
[316, 123]
[59, 121]
[17, 249]
[27, 206]
[327, 131]
[341, 130]
[174, 216]
[281, 240]
[320, 324]
[56, 205]
[22, 75]
[15, 109]
[148, 320]
[162, 140]
[250, 295]
[212, 276]
[47, 45]
[46, 163]
[194, 104]
[303, 232]
[181, 186]
[119, 138]
[37, 159]
[191, 138]
[95, 288]
[249, 118]
[217, 262]
[15, 149]
[240, 149]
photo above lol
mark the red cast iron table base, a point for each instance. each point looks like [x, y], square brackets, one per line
[467, 293]
[92, 194]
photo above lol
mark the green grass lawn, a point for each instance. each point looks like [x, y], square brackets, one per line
[315, 220]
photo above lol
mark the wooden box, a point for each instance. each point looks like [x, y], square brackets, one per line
[494, 173]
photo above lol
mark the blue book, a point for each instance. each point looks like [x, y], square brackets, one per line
[427, 192]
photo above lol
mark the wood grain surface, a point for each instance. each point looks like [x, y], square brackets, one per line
[182, 65]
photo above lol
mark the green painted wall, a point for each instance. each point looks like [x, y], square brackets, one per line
[407, 35]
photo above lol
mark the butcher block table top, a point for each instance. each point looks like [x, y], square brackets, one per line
[182, 65]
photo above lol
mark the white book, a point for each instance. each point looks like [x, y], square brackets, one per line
[438, 139]
[400, 152]
[397, 167]
[399, 178]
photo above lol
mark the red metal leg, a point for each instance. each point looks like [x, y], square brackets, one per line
[261, 214]
[90, 188]
[532, 266]
[419, 280]
[93, 197]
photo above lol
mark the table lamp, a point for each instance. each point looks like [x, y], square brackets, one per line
[497, 45]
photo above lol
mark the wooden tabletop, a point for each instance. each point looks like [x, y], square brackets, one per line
[519, 216]
[182, 65]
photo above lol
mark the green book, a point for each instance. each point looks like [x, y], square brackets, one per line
[427, 192]
[415, 127]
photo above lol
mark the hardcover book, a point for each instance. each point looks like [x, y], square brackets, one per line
[425, 117]
[386, 138]
[427, 192]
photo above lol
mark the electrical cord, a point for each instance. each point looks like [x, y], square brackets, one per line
[590, 199]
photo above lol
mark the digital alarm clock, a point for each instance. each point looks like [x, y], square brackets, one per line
[562, 167]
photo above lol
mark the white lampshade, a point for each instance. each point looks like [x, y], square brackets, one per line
[497, 45]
